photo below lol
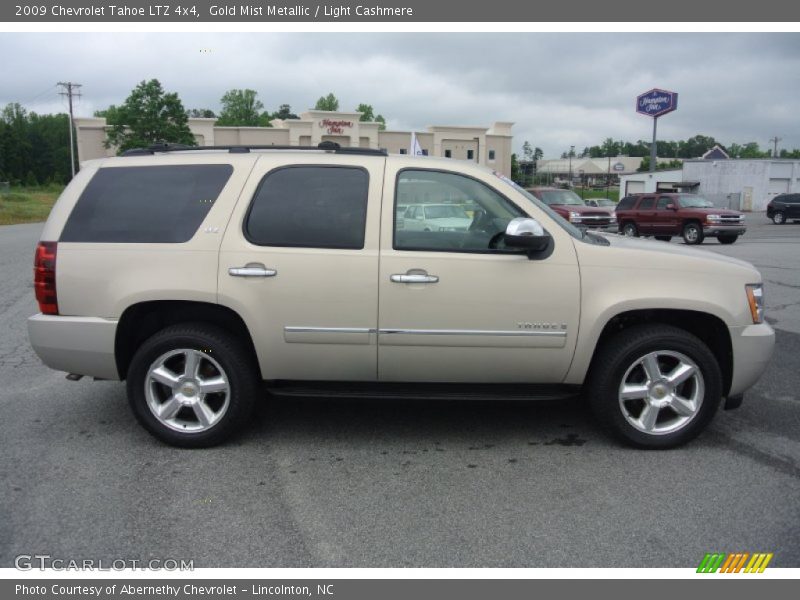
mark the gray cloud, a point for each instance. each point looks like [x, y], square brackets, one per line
[560, 89]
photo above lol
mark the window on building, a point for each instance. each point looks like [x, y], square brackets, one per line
[448, 154]
[157, 204]
[491, 154]
[310, 207]
[424, 152]
[403, 151]
[470, 154]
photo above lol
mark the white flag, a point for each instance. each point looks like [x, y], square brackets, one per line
[416, 149]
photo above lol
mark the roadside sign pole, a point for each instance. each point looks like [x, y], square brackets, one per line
[653, 147]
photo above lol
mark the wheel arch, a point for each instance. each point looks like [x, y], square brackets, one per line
[142, 320]
[709, 328]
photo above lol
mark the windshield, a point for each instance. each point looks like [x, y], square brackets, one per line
[566, 197]
[443, 211]
[695, 202]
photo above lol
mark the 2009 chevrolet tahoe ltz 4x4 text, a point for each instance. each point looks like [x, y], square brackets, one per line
[197, 275]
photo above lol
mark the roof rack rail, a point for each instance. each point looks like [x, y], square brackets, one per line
[245, 148]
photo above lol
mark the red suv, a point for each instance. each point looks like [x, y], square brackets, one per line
[687, 215]
[569, 205]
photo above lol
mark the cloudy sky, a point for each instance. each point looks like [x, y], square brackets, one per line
[559, 89]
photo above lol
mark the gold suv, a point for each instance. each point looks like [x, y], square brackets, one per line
[198, 274]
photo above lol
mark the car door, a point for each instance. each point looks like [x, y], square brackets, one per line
[453, 310]
[666, 219]
[646, 215]
[299, 263]
[793, 206]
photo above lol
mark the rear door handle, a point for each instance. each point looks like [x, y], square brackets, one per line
[252, 270]
[414, 277]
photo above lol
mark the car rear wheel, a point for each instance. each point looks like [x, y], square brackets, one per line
[778, 218]
[654, 386]
[693, 233]
[192, 385]
[727, 239]
[663, 238]
[630, 229]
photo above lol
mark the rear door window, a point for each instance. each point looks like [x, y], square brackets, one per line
[154, 204]
[310, 207]
[647, 203]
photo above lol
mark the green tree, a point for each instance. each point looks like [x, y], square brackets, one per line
[368, 115]
[661, 166]
[149, 115]
[200, 113]
[329, 102]
[516, 174]
[242, 108]
[284, 112]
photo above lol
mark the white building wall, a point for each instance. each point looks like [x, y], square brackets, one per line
[647, 183]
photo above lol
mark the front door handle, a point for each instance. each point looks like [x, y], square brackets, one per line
[252, 270]
[414, 276]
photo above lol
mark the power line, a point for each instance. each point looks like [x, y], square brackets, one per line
[71, 90]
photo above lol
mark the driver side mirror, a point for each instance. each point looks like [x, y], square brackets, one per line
[526, 234]
[671, 207]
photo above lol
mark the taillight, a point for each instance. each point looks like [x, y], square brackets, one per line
[44, 277]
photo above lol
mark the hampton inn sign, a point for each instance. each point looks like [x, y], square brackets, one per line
[490, 146]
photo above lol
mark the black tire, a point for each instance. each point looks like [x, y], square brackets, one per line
[217, 351]
[629, 229]
[778, 217]
[663, 238]
[693, 233]
[727, 239]
[618, 354]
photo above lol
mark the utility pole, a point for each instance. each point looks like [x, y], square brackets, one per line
[571, 152]
[70, 91]
[775, 141]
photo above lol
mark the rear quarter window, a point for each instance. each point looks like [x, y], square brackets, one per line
[626, 203]
[154, 204]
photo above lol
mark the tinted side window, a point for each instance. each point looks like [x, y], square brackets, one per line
[158, 204]
[310, 207]
[663, 201]
[626, 203]
[647, 203]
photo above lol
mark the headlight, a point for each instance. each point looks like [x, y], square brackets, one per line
[713, 218]
[755, 298]
[574, 217]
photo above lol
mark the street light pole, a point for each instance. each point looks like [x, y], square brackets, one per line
[571, 152]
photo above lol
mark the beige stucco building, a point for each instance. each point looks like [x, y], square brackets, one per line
[489, 146]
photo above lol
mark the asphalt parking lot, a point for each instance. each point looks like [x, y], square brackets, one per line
[396, 484]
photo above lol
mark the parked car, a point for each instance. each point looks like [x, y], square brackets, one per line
[784, 207]
[664, 215]
[203, 277]
[601, 202]
[436, 217]
[568, 204]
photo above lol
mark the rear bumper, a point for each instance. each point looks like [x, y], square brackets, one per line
[82, 345]
[752, 348]
[712, 230]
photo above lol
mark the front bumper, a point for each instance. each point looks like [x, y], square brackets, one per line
[81, 345]
[714, 230]
[612, 228]
[752, 348]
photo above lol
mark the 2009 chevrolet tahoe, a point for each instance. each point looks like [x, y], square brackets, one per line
[198, 274]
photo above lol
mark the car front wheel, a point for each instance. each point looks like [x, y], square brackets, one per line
[192, 385]
[654, 386]
[693, 233]
[778, 218]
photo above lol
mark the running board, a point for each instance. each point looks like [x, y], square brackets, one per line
[420, 391]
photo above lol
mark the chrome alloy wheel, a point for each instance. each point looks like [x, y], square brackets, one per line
[187, 390]
[661, 392]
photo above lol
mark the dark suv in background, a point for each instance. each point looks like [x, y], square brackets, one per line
[688, 215]
[784, 207]
[569, 205]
